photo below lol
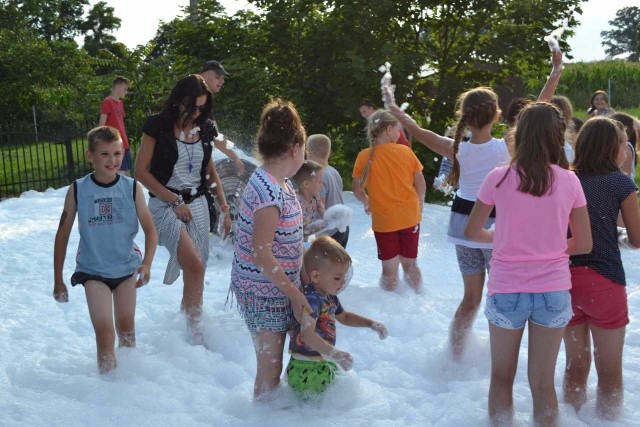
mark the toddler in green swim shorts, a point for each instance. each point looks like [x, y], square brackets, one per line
[314, 357]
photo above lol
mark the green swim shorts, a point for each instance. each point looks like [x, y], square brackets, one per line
[307, 376]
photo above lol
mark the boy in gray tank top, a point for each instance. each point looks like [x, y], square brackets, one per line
[108, 262]
[319, 150]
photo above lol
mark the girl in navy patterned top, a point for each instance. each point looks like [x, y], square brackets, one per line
[598, 293]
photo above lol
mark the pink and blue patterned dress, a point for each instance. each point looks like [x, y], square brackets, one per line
[259, 300]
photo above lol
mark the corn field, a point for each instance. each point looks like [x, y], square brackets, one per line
[620, 79]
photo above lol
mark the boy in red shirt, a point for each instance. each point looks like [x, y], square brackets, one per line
[112, 114]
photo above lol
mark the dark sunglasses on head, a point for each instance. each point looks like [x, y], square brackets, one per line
[200, 108]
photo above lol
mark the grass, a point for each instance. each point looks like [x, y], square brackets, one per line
[633, 111]
[38, 166]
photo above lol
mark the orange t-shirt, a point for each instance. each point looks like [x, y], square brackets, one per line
[392, 197]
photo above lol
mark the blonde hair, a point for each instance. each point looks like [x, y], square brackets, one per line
[102, 134]
[377, 123]
[319, 146]
[325, 250]
[477, 108]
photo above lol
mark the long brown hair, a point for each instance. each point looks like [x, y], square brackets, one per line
[377, 123]
[280, 129]
[477, 108]
[539, 144]
[597, 146]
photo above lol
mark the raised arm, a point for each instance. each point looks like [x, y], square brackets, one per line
[439, 144]
[552, 81]
[61, 242]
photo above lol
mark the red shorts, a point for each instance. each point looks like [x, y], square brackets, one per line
[598, 300]
[402, 242]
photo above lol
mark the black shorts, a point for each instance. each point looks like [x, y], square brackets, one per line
[78, 278]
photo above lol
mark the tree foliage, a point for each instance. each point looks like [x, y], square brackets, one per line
[623, 38]
[322, 55]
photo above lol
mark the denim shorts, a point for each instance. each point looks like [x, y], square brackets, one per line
[511, 311]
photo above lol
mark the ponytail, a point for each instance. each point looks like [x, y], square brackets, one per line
[454, 176]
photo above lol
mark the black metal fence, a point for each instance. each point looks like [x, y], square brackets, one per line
[37, 159]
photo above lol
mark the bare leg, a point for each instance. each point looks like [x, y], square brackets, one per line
[577, 345]
[193, 277]
[389, 279]
[412, 273]
[544, 344]
[269, 347]
[124, 304]
[466, 313]
[607, 354]
[101, 312]
[505, 347]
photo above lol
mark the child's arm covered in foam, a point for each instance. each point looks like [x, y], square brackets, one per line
[61, 242]
[317, 343]
[552, 81]
[355, 320]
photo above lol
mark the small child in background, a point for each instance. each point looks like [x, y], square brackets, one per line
[109, 207]
[112, 114]
[312, 366]
[319, 150]
[392, 176]
[308, 181]
[630, 124]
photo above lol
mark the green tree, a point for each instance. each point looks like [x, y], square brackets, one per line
[623, 38]
[98, 25]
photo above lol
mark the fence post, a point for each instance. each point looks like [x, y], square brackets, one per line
[68, 145]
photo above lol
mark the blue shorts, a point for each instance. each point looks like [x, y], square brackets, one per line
[127, 164]
[511, 311]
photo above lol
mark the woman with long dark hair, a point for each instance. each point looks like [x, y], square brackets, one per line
[175, 163]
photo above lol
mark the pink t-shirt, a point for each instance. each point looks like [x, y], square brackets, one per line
[530, 239]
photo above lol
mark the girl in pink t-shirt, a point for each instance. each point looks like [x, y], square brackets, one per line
[536, 198]
[472, 161]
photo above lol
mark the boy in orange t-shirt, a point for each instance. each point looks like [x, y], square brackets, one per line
[395, 189]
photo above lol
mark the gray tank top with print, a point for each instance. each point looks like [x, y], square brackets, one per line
[108, 224]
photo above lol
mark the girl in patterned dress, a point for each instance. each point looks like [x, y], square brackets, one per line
[174, 162]
[265, 276]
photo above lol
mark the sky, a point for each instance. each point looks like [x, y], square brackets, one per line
[49, 376]
[586, 44]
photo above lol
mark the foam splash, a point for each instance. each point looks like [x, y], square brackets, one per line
[553, 38]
